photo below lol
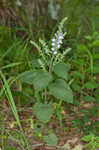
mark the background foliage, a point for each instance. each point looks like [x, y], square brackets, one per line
[22, 21]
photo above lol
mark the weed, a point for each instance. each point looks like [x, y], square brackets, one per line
[92, 140]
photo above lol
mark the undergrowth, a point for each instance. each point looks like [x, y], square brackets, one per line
[52, 80]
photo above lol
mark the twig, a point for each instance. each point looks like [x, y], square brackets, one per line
[41, 144]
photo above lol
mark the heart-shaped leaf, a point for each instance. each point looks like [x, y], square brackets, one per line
[61, 70]
[51, 139]
[61, 90]
[27, 76]
[41, 80]
[43, 111]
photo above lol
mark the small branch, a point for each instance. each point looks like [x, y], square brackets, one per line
[41, 144]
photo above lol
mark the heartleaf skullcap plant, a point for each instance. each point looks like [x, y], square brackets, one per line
[51, 56]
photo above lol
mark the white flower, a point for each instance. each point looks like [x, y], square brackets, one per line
[58, 46]
[56, 42]
[55, 52]
[61, 36]
[53, 44]
[60, 41]
[53, 49]
[53, 40]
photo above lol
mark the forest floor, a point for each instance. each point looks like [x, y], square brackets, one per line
[69, 136]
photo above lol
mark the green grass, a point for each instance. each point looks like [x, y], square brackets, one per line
[13, 107]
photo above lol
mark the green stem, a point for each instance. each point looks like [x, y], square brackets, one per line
[60, 104]
[51, 64]
[91, 61]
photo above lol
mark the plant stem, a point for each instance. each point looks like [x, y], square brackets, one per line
[51, 64]
[91, 61]
[60, 104]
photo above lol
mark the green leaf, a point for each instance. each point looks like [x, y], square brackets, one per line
[51, 139]
[90, 85]
[27, 77]
[9, 148]
[43, 111]
[41, 80]
[76, 87]
[78, 75]
[35, 63]
[95, 43]
[88, 138]
[61, 70]
[88, 37]
[82, 48]
[95, 69]
[88, 98]
[96, 94]
[61, 90]
[39, 127]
